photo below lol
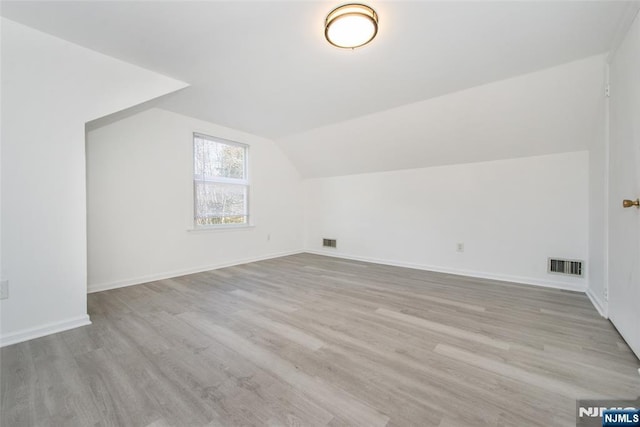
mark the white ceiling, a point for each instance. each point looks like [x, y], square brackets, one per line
[265, 68]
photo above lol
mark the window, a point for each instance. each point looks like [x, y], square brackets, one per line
[220, 182]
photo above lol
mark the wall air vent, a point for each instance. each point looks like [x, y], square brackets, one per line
[570, 267]
[329, 243]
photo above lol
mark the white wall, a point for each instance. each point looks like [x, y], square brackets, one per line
[545, 112]
[510, 214]
[140, 202]
[50, 88]
[598, 158]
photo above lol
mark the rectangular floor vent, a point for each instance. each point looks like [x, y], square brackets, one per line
[329, 243]
[570, 267]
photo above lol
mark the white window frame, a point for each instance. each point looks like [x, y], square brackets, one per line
[220, 180]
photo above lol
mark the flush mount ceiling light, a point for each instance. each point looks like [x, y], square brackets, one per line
[351, 26]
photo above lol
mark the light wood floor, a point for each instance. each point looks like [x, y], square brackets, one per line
[311, 340]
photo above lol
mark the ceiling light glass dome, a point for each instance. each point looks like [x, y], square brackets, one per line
[351, 26]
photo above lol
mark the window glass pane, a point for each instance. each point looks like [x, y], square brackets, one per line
[220, 203]
[216, 159]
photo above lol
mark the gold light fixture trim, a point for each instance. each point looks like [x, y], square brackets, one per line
[351, 25]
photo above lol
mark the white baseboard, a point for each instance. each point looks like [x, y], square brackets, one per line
[99, 287]
[468, 273]
[598, 303]
[47, 329]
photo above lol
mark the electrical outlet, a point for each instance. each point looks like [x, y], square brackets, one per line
[605, 293]
[4, 289]
[268, 237]
[460, 247]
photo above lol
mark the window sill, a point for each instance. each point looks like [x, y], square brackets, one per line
[220, 228]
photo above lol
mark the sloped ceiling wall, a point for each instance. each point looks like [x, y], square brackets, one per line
[549, 111]
[50, 88]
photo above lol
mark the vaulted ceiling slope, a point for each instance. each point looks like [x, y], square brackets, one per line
[550, 111]
[264, 67]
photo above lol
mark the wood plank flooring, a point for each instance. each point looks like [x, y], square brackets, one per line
[307, 340]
